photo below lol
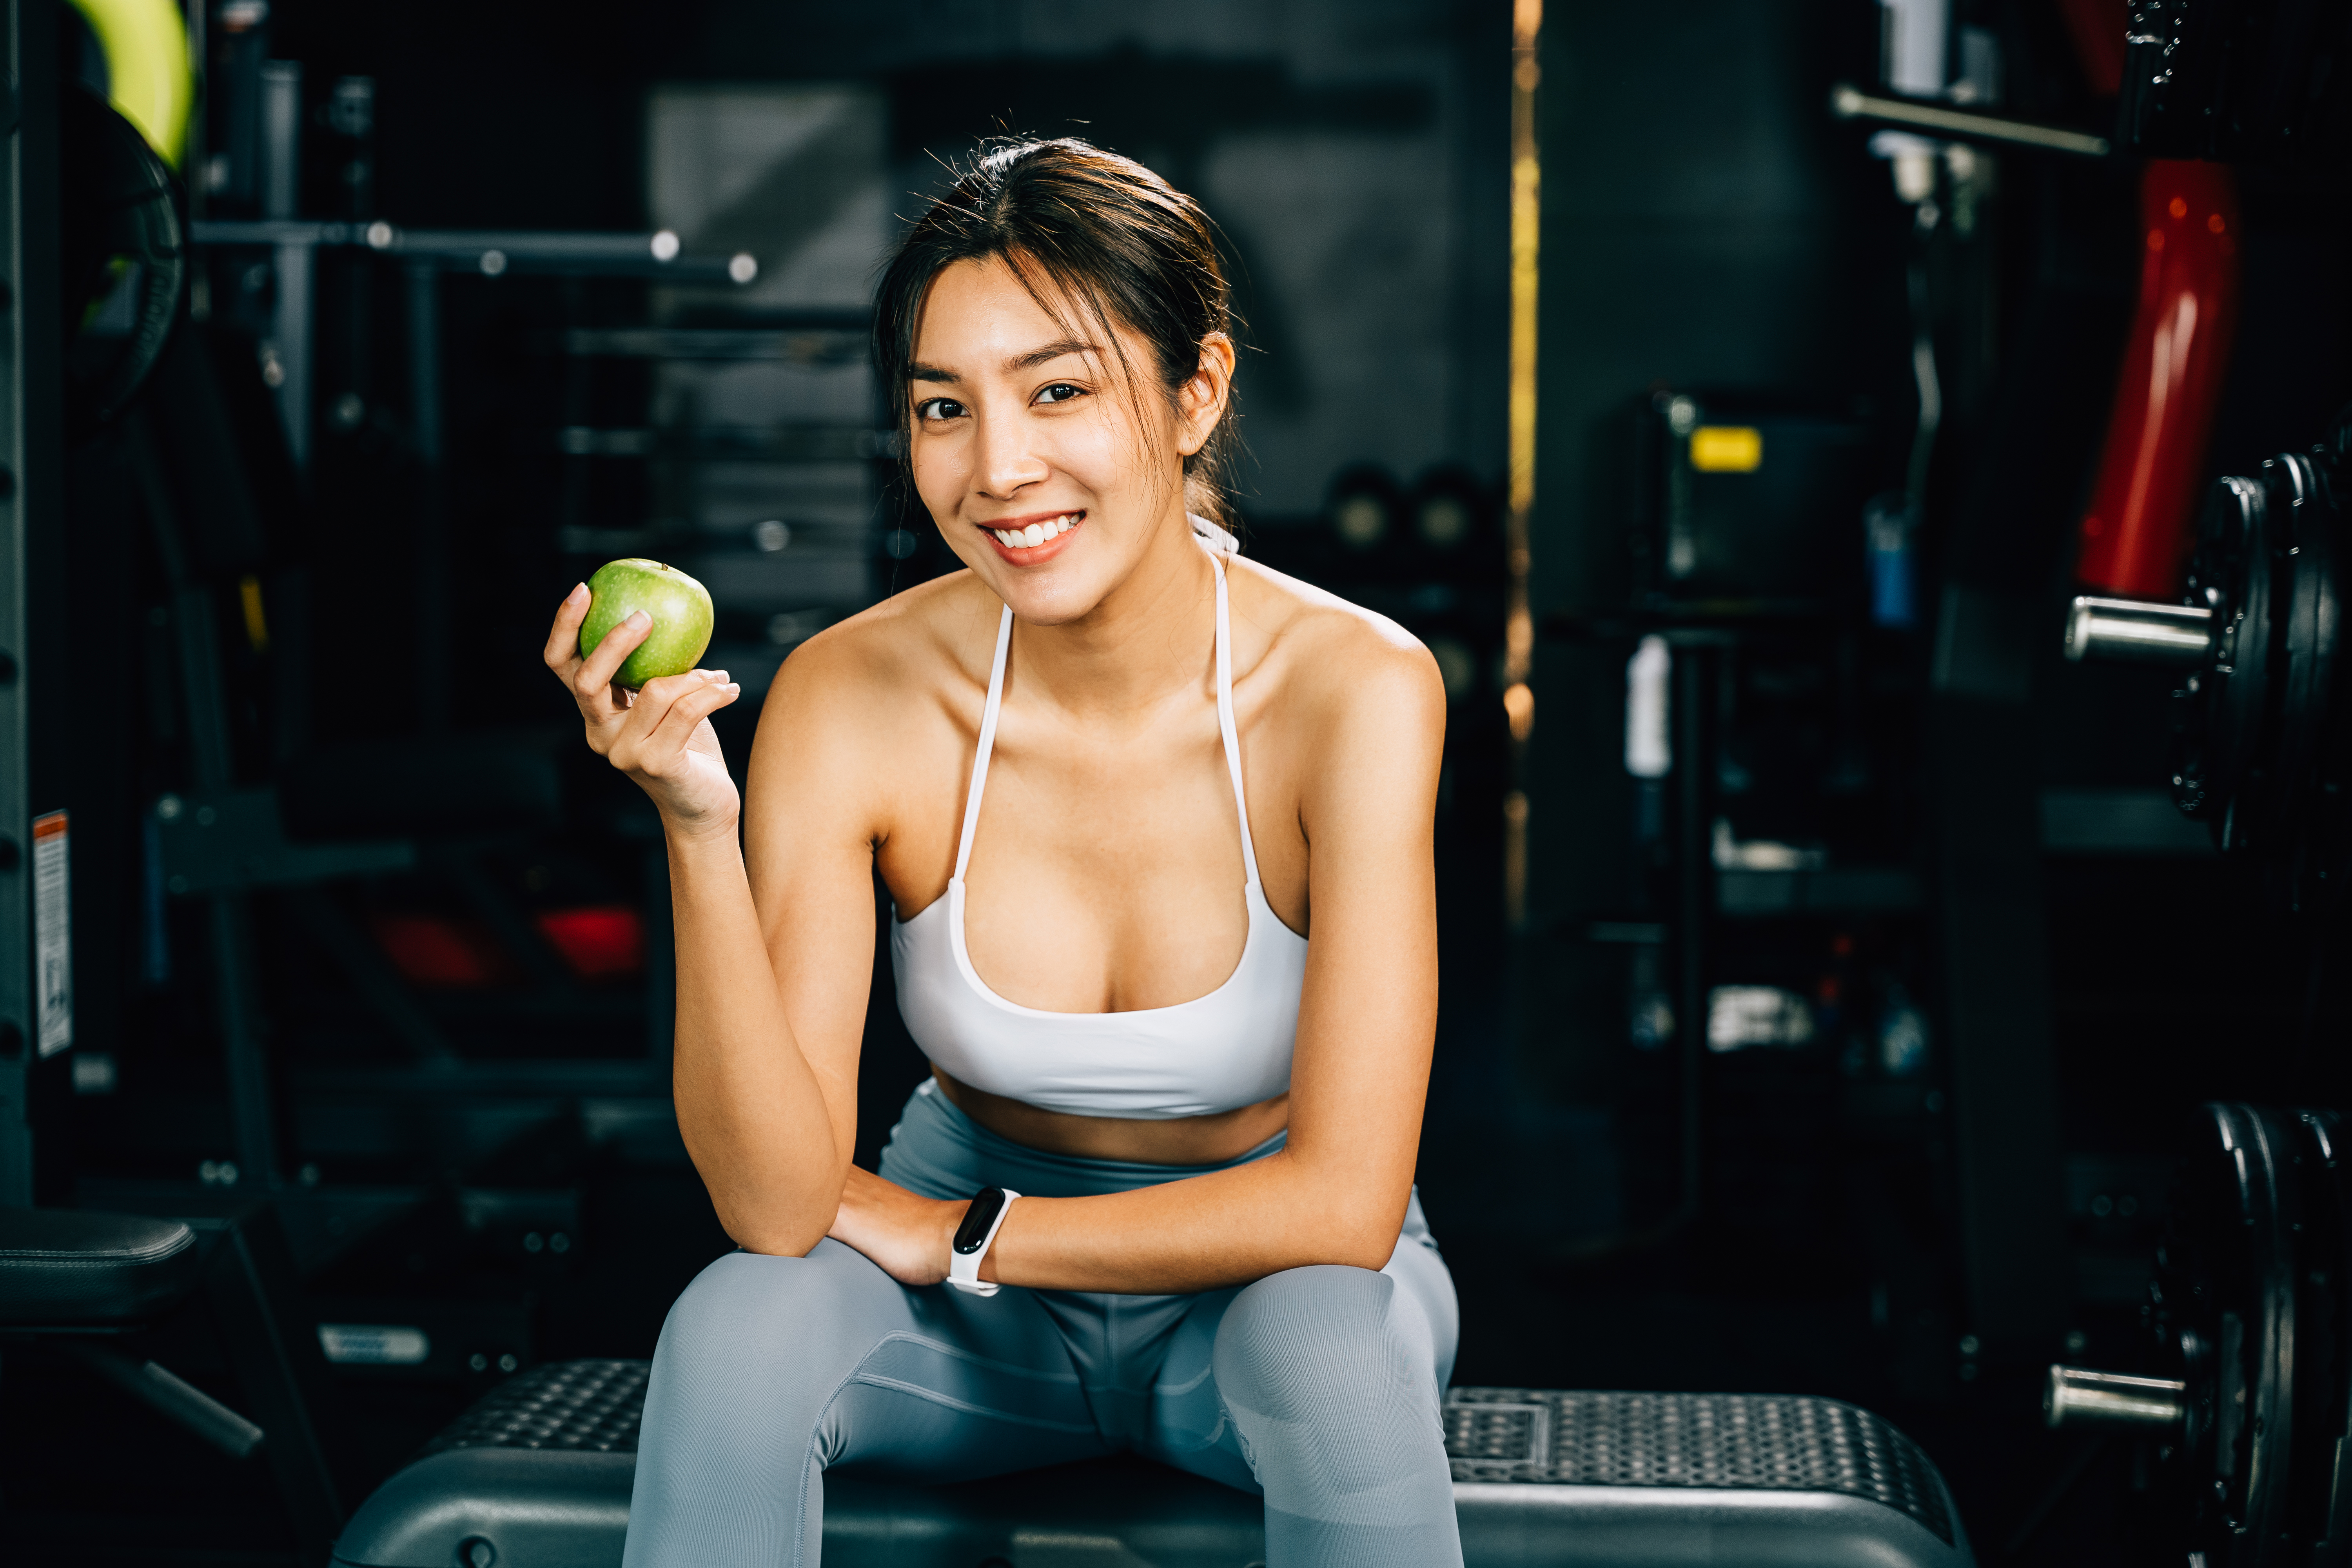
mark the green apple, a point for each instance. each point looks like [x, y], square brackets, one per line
[680, 606]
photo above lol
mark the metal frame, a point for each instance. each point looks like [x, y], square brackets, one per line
[31, 542]
[425, 254]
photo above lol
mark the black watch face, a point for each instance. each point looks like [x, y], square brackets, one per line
[986, 1204]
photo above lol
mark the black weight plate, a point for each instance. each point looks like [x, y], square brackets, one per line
[2310, 648]
[2319, 1501]
[2220, 726]
[2323, 854]
[122, 257]
[2307, 657]
[2225, 1314]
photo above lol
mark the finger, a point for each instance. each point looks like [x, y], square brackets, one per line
[666, 714]
[563, 638]
[605, 663]
[686, 715]
[650, 701]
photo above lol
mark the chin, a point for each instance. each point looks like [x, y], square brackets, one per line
[1054, 599]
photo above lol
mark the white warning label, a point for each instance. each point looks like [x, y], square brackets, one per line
[52, 935]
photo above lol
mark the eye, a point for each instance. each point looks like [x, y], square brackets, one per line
[933, 408]
[1060, 391]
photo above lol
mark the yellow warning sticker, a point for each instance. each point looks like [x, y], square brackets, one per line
[1727, 448]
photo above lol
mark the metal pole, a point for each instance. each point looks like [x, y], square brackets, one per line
[292, 329]
[431, 492]
[31, 548]
[1693, 670]
[252, 1118]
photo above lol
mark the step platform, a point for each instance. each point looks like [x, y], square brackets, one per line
[538, 1476]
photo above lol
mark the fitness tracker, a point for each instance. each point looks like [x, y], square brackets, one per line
[981, 1223]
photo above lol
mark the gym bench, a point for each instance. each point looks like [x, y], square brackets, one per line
[537, 1475]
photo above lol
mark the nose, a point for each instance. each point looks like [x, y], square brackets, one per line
[1008, 460]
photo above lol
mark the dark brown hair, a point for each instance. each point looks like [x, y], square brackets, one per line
[1090, 226]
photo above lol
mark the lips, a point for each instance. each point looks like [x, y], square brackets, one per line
[1037, 540]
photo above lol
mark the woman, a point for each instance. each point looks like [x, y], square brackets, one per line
[1155, 823]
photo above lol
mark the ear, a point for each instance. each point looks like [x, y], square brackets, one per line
[1200, 401]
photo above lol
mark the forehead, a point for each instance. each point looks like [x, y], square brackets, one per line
[984, 316]
[977, 315]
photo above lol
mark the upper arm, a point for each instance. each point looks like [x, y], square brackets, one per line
[1367, 1017]
[813, 814]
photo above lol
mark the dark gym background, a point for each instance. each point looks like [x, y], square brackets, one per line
[1941, 844]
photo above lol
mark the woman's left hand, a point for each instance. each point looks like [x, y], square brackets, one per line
[906, 1235]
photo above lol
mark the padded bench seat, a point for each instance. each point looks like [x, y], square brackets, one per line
[538, 1476]
[64, 1269]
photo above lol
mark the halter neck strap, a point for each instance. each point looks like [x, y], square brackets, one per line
[987, 740]
[1219, 545]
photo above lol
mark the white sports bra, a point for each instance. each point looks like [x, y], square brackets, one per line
[1218, 1052]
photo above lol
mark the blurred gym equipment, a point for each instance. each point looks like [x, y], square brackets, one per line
[122, 259]
[2259, 743]
[95, 1282]
[2245, 1409]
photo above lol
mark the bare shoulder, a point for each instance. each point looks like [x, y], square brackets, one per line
[1338, 662]
[854, 705]
[901, 647]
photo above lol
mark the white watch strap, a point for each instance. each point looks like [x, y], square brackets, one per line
[963, 1268]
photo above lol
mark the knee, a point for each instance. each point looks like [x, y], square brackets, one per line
[1311, 1344]
[747, 1307]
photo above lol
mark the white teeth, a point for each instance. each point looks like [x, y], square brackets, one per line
[1036, 534]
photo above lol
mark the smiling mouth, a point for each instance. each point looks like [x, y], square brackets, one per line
[1035, 536]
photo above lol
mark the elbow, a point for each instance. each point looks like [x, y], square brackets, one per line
[1365, 1252]
[1350, 1216]
[776, 1229]
[774, 1240]
[1362, 1240]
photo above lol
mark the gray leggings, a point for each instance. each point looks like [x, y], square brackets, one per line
[1318, 1388]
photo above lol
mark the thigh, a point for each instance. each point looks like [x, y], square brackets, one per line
[772, 1370]
[1191, 1427]
[770, 1365]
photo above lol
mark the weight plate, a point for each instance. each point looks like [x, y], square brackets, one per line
[121, 255]
[2220, 727]
[2310, 650]
[2224, 1309]
[2319, 1502]
[2317, 750]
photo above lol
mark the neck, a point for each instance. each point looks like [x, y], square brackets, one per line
[1150, 637]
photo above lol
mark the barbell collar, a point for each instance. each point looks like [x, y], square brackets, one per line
[2076, 1396]
[2140, 631]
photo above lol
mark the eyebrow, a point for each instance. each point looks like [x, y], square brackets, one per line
[1050, 352]
[1030, 361]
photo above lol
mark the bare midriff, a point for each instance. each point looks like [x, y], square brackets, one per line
[1178, 1140]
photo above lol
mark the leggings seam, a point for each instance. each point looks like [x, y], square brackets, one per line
[808, 1457]
[899, 1336]
[857, 1375]
[1170, 1390]
[897, 1385]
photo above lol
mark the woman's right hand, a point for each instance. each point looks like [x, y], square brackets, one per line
[660, 735]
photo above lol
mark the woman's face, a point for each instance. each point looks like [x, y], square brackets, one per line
[1047, 473]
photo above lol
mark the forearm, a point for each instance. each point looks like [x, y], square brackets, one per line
[1204, 1232]
[754, 1113]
